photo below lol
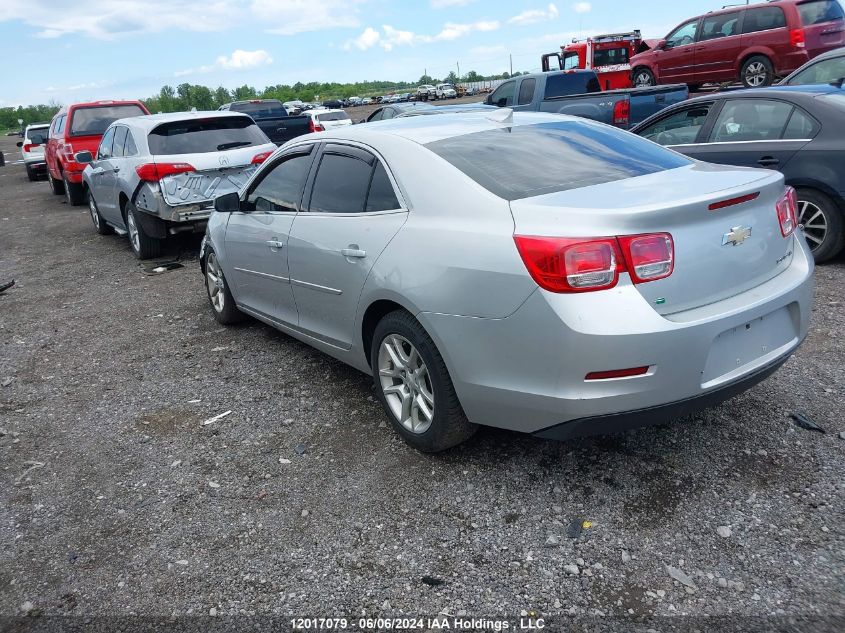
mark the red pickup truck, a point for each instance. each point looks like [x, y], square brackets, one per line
[77, 128]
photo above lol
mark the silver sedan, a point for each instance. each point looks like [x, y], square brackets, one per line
[533, 272]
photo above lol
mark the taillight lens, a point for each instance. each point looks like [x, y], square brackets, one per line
[315, 127]
[797, 39]
[152, 172]
[260, 158]
[564, 265]
[787, 206]
[30, 146]
[67, 150]
[622, 112]
[649, 257]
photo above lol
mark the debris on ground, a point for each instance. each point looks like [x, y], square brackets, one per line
[680, 576]
[215, 418]
[283, 460]
[806, 423]
[32, 466]
[158, 268]
[724, 531]
[431, 581]
[299, 448]
[575, 528]
[5, 286]
[6, 381]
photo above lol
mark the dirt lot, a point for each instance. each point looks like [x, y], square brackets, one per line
[115, 499]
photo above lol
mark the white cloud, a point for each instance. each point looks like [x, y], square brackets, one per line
[238, 60]
[391, 37]
[533, 16]
[582, 7]
[454, 31]
[396, 37]
[369, 38]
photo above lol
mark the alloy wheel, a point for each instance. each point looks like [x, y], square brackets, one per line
[214, 283]
[133, 232]
[92, 207]
[642, 80]
[815, 223]
[406, 383]
[756, 74]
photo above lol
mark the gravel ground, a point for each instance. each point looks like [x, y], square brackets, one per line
[115, 499]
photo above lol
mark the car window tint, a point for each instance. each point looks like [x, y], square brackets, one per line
[684, 34]
[341, 185]
[763, 19]
[381, 196]
[388, 113]
[526, 91]
[333, 116]
[131, 149]
[800, 126]
[513, 162]
[503, 95]
[104, 151]
[60, 124]
[281, 188]
[201, 136]
[823, 72]
[377, 115]
[818, 11]
[719, 25]
[678, 128]
[119, 141]
[565, 84]
[90, 121]
[611, 56]
[751, 120]
[570, 61]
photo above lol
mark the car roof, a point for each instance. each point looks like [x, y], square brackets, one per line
[428, 129]
[150, 121]
[808, 91]
[33, 125]
[739, 7]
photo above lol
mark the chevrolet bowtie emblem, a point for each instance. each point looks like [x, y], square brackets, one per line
[737, 235]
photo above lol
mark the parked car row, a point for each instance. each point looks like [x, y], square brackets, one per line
[32, 149]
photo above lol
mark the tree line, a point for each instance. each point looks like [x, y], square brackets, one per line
[186, 96]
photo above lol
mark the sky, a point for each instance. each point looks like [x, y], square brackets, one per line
[66, 51]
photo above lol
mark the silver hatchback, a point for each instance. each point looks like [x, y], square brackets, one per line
[157, 175]
[533, 272]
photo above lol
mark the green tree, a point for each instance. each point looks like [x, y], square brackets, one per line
[451, 78]
[244, 92]
[221, 96]
[473, 76]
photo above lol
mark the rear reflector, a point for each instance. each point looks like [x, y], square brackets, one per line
[315, 127]
[649, 257]
[786, 207]
[733, 201]
[29, 146]
[260, 158]
[616, 373]
[152, 172]
[622, 112]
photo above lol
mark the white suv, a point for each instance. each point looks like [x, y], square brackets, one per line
[32, 149]
[426, 92]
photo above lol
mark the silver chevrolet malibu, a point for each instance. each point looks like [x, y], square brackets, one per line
[157, 175]
[533, 272]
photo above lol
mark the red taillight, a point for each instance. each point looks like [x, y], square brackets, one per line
[787, 206]
[67, 150]
[562, 264]
[733, 201]
[649, 257]
[260, 158]
[797, 39]
[152, 172]
[616, 373]
[315, 127]
[29, 146]
[622, 112]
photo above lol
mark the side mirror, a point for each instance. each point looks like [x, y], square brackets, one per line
[228, 202]
[19, 143]
[489, 100]
[83, 157]
[662, 44]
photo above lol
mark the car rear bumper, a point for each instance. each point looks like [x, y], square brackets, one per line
[527, 372]
[36, 164]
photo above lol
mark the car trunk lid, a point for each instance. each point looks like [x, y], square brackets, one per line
[718, 253]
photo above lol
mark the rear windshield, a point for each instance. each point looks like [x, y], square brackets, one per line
[263, 110]
[818, 11]
[610, 56]
[565, 84]
[532, 160]
[93, 121]
[38, 131]
[200, 136]
[333, 116]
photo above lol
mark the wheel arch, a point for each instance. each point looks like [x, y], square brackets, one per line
[757, 51]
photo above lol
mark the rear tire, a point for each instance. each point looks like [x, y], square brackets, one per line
[823, 224]
[31, 174]
[757, 71]
[144, 246]
[406, 364]
[643, 78]
[56, 186]
[99, 223]
[219, 296]
[74, 193]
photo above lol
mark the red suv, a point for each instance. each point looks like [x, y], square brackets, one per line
[77, 128]
[753, 43]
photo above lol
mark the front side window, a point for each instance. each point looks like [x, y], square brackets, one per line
[763, 19]
[281, 188]
[718, 26]
[684, 34]
[503, 95]
[679, 128]
[201, 136]
[93, 121]
[104, 151]
[119, 141]
[526, 91]
[823, 72]
[751, 120]
[820, 11]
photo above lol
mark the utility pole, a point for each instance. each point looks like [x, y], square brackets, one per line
[459, 70]
[511, 58]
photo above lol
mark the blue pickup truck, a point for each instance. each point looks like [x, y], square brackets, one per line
[579, 93]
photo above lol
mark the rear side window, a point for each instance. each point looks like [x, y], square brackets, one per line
[751, 120]
[130, 149]
[717, 26]
[341, 185]
[611, 56]
[800, 126]
[93, 121]
[281, 189]
[819, 11]
[514, 163]
[381, 196]
[201, 136]
[763, 19]
[119, 141]
[566, 84]
[526, 91]
[60, 124]
[333, 116]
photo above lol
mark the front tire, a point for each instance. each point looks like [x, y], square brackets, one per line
[99, 223]
[74, 193]
[219, 296]
[823, 224]
[643, 78]
[757, 72]
[56, 186]
[144, 246]
[414, 386]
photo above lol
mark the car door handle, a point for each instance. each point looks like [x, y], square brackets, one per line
[275, 244]
[353, 252]
[768, 161]
[97, 171]
[116, 169]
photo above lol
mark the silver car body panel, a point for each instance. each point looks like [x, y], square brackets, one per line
[517, 354]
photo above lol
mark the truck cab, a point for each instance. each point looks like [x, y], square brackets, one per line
[607, 55]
